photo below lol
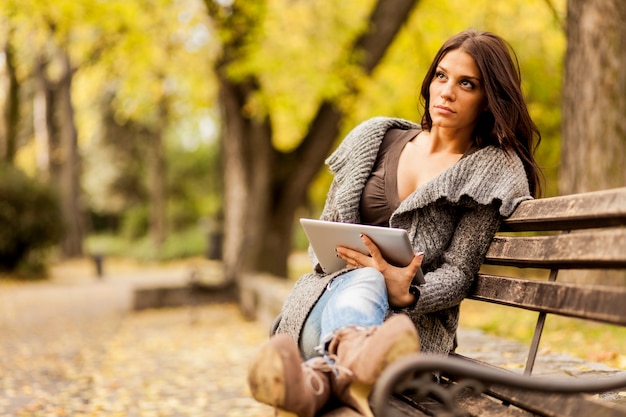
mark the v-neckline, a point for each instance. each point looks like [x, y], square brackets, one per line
[391, 181]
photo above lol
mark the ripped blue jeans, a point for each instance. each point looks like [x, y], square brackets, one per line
[355, 298]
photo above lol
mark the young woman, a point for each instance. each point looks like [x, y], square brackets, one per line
[449, 182]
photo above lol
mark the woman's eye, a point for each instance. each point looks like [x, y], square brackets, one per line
[440, 75]
[467, 84]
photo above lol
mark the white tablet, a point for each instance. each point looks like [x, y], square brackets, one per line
[325, 236]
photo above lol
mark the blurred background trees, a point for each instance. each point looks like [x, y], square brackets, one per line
[160, 122]
[99, 98]
[265, 184]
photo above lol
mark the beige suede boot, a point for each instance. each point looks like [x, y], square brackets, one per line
[368, 351]
[278, 377]
[353, 394]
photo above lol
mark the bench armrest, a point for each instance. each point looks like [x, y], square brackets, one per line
[414, 373]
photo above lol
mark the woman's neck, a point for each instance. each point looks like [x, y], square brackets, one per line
[452, 141]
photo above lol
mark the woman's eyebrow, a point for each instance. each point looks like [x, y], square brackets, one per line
[439, 67]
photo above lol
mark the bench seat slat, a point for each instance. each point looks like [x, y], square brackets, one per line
[395, 408]
[558, 405]
[579, 211]
[599, 303]
[600, 249]
[400, 407]
[476, 406]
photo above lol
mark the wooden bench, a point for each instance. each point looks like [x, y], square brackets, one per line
[581, 231]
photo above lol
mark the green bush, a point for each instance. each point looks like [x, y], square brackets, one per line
[30, 217]
[135, 222]
[190, 242]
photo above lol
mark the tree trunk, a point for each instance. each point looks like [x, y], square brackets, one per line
[72, 244]
[291, 176]
[10, 121]
[594, 97]
[42, 119]
[593, 154]
[247, 155]
[263, 187]
[156, 174]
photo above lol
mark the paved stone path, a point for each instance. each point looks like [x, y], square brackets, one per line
[72, 347]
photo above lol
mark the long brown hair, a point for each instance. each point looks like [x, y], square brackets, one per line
[506, 123]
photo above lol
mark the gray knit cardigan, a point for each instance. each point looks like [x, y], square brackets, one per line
[452, 219]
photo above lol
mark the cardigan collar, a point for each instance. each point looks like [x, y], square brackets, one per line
[489, 175]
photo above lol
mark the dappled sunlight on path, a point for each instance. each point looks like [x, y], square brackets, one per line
[71, 347]
[181, 368]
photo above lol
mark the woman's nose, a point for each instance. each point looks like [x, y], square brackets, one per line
[447, 92]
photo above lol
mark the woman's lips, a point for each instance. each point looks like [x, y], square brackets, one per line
[444, 109]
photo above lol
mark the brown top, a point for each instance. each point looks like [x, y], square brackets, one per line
[380, 196]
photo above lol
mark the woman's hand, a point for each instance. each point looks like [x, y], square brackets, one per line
[397, 279]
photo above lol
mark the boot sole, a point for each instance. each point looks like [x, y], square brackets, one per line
[266, 377]
[360, 394]
[267, 382]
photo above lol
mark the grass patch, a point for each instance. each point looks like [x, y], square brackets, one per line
[580, 338]
[183, 244]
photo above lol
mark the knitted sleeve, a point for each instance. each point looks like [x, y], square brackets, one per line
[447, 285]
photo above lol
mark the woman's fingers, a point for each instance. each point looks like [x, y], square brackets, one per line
[372, 248]
[416, 262]
[355, 258]
[352, 257]
[375, 258]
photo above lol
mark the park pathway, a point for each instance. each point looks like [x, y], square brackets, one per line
[71, 347]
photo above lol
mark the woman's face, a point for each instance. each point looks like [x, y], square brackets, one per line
[457, 93]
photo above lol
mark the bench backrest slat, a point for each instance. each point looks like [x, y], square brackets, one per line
[605, 304]
[580, 211]
[585, 249]
[581, 231]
